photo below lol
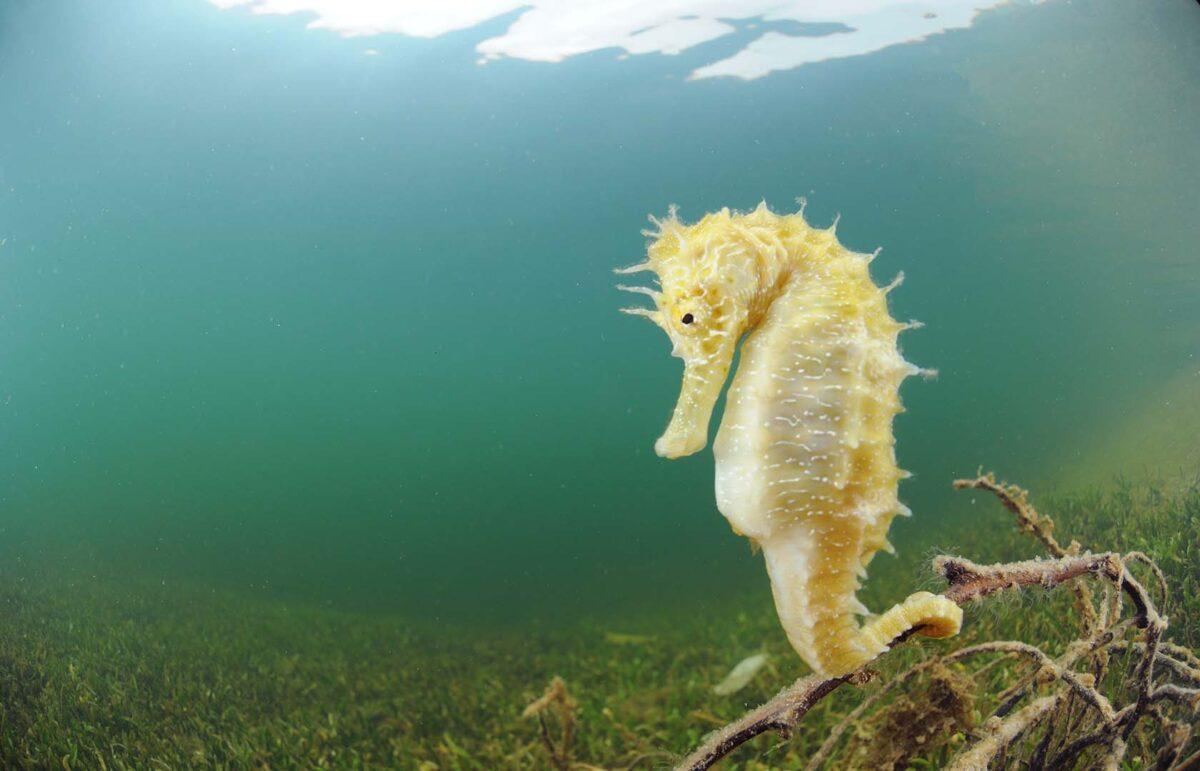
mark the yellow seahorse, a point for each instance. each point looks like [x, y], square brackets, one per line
[805, 464]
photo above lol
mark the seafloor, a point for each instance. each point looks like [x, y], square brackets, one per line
[101, 673]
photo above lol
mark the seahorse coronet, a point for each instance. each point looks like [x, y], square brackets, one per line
[805, 461]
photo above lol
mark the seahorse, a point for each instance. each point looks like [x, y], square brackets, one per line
[805, 458]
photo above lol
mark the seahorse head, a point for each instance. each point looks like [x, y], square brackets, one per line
[710, 279]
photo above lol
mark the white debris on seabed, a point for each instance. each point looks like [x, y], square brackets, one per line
[741, 675]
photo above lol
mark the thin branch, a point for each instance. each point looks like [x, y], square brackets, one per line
[1159, 577]
[1145, 674]
[559, 762]
[1178, 736]
[831, 741]
[1016, 500]
[1084, 689]
[1003, 733]
[1188, 697]
[1180, 652]
[781, 713]
[1126, 720]
[556, 697]
[1041, 527]
[1104, 735]
[1114, 756]
[968, 582]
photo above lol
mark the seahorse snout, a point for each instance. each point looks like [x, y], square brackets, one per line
[687, 433]
[673, 445]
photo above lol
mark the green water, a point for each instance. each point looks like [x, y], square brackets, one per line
[282, 318]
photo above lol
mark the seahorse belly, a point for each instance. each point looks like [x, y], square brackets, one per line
[804, 457]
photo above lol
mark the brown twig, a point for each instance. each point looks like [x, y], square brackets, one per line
[1002, 733]
[831, 741]
[1159, 577]
[781, 714]
[1056, 669]
[838, 730]
[1016, 500]
[1180, 652]
[557, 697]
[1179, 669]
[1115, 732]
[1178, 736]
[969, 582]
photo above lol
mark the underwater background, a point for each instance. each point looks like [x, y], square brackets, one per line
[300, 322]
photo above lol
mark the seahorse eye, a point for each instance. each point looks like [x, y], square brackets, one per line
[688, 318]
